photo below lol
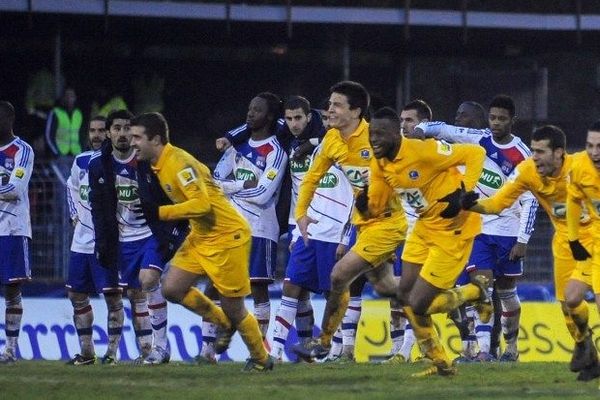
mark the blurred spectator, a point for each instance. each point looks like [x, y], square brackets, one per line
[107, 102]
[148, 93]
[63, 126]
[39, 100]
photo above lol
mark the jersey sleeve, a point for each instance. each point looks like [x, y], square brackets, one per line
[73, 190]
[319, 166]
[451, 133]
[529, 207]
[223, 171]
[189, 178]
[447, 155]
[17, 186]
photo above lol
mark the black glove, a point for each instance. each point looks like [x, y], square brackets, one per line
[302, 150]
[454, 203]
[362, 200]
[468, 199]
[579, 252]
[147, 210]
[107, 258]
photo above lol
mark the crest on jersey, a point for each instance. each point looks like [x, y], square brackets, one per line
[187, 176]
[444, 148]
[271, 174]
[413, 175]
[365, 153]
[9, 163]
[260, 162]
[20, 172]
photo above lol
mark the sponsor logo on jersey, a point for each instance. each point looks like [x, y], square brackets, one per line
[444, 148]
[365, 153]
[242, 174]
[271, 174]
[354, 175]
[299, 166]
[20, 172]
[187, 176]
[127, 193]
[328, 181]
[168, 188]
[490, 179]
[84, 192]
[9, 163]
[261, 162]
[413, 175]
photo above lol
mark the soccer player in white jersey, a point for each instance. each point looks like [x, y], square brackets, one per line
[309, 267]
[116, 212]
[258, 166]
[498, 251]
[86, 275]
[16, 165]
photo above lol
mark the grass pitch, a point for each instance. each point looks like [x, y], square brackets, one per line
[54, 380]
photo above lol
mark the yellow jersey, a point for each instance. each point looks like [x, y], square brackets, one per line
[551, 192]
[424, 171]
[583, 193]
[189, 185]
[353, 155]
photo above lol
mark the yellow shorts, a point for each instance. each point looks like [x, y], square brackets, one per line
[377, 241]
[566, 267]
[442, 260]
[226, 268]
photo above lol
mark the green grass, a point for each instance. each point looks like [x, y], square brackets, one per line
[53, 380]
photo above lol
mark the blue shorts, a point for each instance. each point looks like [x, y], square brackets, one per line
[137, 255]
[491, 252]
[14, 260]
[263, 259]
[86, 275]
[310, 266]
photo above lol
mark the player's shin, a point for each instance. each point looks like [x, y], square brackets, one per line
[114, 323]
[333, 315]
[196, 301]
[83, 318]
[252, 337]
[157, 307]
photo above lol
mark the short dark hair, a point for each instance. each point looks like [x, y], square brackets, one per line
[295, 102]
[154, 124]
[357, 95]
[505, 102]
[7, 110]
[117, 114]
[553, 134]
[421, 107]
[98, 118]
[386, 113]
[595, 127]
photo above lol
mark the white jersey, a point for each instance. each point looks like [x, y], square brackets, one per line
[500, 162]
[263, 161]
[78, 189]
[130, 228]
[331, 204]
[16, 167]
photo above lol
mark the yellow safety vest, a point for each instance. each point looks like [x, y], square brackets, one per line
[67, 131]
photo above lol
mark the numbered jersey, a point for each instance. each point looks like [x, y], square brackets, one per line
[261, 161]
[331, 204]
[78, 190]
[500, 162]
[16, 165]
[130, 226]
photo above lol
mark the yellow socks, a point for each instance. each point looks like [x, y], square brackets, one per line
[250, 333]
[197, 302]
[334, 314]
[577, 321]
[427, 337]
[450, 299]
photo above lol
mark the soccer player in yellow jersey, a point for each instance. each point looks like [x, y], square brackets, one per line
[584, 191]
[545, 174]
[440, 243]
[347, 144]
[218, 245]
